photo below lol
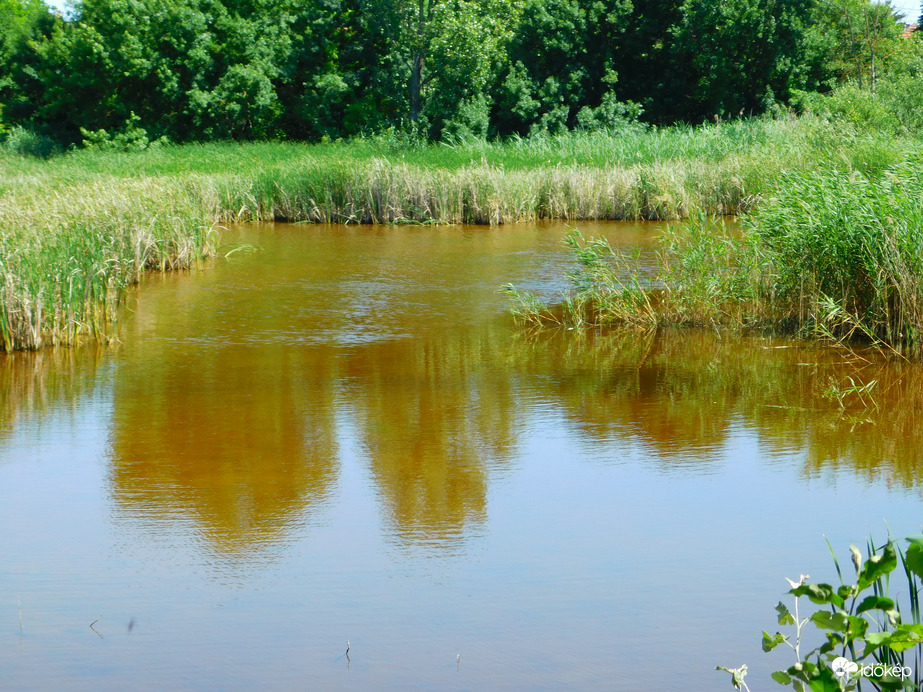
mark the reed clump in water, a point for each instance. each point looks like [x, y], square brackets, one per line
[846, 253]
[828, 253]
[705, 275]
[66, 257]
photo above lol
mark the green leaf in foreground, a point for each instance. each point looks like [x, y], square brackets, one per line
[771, 641]
[901, 639]
[821, 594]
[914, 558]
[874, 603]
[782, 677]
[785, 615]
[830, 621]
[878, 566]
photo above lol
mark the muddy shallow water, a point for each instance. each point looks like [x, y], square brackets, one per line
[341, 436]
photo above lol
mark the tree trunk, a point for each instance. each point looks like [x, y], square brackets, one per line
[416, 83]
[872, 72]
[853, 44]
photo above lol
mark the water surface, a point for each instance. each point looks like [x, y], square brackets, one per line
[341, 436]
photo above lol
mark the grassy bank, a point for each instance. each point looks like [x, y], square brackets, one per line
[76, 228]
[638, 173]
[827, 253]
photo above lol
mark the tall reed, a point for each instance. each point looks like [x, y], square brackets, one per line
[705, 273]
[66, 257]
[828, 253]
[846, 252]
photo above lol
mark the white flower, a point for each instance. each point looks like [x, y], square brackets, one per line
[801, 580]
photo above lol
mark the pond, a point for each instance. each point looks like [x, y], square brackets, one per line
[337, 434]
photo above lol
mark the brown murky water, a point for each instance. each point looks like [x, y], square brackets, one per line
[341, 436]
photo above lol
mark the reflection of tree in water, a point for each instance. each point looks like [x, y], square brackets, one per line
[619, 384]
[241, 439]
[243, 445]
[33, 385]
[681, 392]
[881, 441]
[434, 415]
[234, 436]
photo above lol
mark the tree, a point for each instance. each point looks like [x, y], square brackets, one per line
[336, 83]
[409, 28]
[742, 54]
[561, 70]
[468, 50]
[441, 56]
[21, 23]
[187, 69]
[648, 72]
[120, 57]
[862, 38]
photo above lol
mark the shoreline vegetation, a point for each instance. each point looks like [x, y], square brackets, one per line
[77, 228]
[828, 254]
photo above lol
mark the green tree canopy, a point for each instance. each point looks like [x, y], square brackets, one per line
[22, 22]
[306, 69]
[562, 66]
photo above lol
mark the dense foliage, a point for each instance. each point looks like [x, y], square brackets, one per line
[129, 72]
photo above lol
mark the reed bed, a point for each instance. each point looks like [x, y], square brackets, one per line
[383, 192]
[66, 258]
[845, 253]
[828, 253]
[77, 228]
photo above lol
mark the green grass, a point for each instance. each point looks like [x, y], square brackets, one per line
[76, 228]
